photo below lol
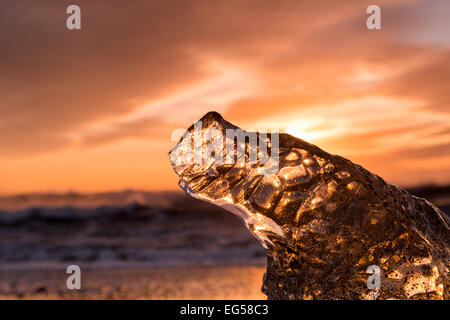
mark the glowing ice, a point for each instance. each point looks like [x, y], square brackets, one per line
[323, 221]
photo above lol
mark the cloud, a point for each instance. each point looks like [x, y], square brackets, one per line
[428, 82]
[138, 70]
[55, 81]
[147, 129]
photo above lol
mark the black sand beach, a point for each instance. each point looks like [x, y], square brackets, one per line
[132, 245]
[231, 282]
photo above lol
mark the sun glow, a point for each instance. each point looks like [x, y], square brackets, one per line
[306, 129]
[304, 134]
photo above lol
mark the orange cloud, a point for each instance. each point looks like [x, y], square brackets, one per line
[137, 71]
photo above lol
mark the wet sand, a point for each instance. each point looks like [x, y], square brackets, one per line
[230, 282]
[132, 245]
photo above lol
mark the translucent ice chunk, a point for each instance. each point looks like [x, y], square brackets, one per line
[322, 219]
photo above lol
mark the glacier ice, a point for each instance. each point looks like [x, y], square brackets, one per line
[322, 219]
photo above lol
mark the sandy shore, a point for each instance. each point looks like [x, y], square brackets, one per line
[231, 282]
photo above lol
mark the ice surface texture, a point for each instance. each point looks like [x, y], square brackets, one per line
[324, 220]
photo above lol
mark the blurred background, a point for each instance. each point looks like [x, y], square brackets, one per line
[86, 118]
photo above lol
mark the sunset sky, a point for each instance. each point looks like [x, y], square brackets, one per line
[93, 110]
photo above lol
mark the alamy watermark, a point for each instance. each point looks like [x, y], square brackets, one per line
[73, 21]
[373, 22]
[211, 146]
[74, 280]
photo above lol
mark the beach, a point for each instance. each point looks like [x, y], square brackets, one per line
[132, 245]
[128, 245]
[227, 282]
